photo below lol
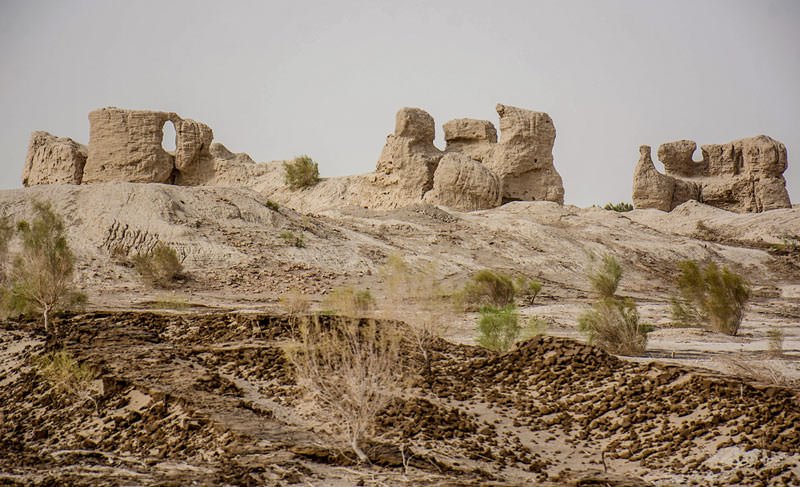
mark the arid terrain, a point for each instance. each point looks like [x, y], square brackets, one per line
[195, 388]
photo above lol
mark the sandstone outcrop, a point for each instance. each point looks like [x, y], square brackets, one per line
[745, 175]
[53, 160]
[523, 158]
[409, 158]
[464, 184]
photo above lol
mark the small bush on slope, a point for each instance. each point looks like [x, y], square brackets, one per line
[498, 328]
[613, 322]
[301, 172]
[710, 296]
[159, 267]
[488, 288]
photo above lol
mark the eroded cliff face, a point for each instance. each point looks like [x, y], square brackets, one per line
[53, 160]
[743, 176]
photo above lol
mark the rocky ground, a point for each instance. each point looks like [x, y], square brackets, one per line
[211, 399]
[200, 391]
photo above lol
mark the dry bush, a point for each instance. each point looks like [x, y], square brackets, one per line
[613, 324]
[775, 342]
[536, 326]
[295, 302]
[487, 288]
[301, 172]
[291, 239]
[710, 296]
[415, 296]
[605, 279]
[159, 267]
[347, 301]
[350, 369]
[68, 378]
[498, 328]
[42, 274]
[757, 372]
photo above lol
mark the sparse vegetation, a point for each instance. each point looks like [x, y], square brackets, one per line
[301, 172]
[488, 288]
[613, 322]
[620, 207]
[347, 301]
[350, 370]
[704, 232]
[605, 279]
[41, 278]
[613, 325]
[68, 378]
[295, 302]
[272, 205]
[290, 238]
[527, 289]
[415, 296]
[775, 338]
[710, 296]
[159, 267]
[536, 326]
[498, 328]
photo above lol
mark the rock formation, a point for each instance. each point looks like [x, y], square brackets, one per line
[521, 162]
[464, 184]
[409, 158]
[53, 160]
[745, 175]
[523, 159]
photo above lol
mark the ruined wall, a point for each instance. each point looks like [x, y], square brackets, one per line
[745, 175]
[53, 160]
[518, 167]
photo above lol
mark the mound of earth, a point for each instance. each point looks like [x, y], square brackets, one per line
[211, 399]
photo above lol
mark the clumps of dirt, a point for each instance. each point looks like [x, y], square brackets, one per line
[661, 416]
[216, 393]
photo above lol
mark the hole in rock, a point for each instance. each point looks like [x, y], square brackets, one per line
[169, 138]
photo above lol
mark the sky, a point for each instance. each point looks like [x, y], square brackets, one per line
[277, 79]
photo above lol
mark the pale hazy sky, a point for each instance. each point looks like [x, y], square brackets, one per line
[278, 79]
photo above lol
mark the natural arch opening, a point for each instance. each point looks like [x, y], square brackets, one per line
[169, 138]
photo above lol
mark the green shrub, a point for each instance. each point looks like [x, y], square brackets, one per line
[301, 172]
[42, 274]
[619, 207]
[272, 205]
[66, 376]
[527, 289]
[291, 239]
[710, 296]
[605, 280]
[160, 267]
[613, 322]
[488, 288]
[613, 325]
[498, 328]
